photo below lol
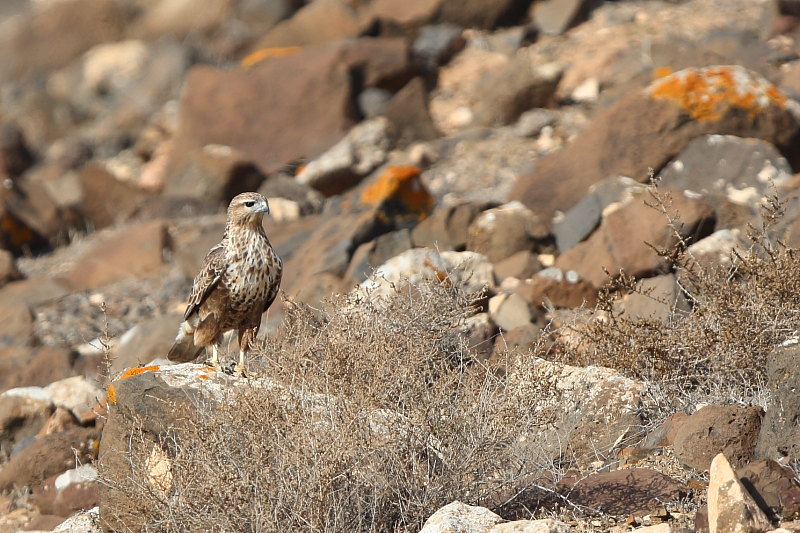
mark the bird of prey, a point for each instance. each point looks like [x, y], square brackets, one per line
[237, 283]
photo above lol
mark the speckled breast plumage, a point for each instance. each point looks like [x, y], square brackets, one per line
[252, 277]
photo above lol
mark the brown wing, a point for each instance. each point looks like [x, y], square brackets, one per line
[207, 279]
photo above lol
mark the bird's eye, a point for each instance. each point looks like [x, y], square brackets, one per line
[249, 204]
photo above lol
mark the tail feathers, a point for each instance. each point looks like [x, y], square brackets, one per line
[184, 349]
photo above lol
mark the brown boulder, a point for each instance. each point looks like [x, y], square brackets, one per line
[8, 268]
[214, 172]
[446, 228]
[105, 199]
[774, 487]
[280, 110]
[44, 39]
[24, 367]
[22, 416]
[623, 240]
[503, 231]
[716, 429]
[631, 491]
[552, 286]
[521, 265]
[48, 456]
[679, 107]
[317, 22]
[132, 252]
[66, 493]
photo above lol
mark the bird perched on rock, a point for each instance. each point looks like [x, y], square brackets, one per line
[238, 282]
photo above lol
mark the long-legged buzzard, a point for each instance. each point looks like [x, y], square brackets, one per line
[238, 282]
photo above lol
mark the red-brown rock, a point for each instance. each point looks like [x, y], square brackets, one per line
[21, 366]
[554, 287]
[718, 429]
[132, 252]
[630, 491]
[49, 455]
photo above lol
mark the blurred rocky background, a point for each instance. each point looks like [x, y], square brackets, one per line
[399, 134]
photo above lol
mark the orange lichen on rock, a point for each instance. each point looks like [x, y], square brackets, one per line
[662, 72]
[265, 53]
[706, 94]
[112, 394]
[402, 184]
[138, 370]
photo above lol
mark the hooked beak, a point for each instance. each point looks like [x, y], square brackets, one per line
[263, 207]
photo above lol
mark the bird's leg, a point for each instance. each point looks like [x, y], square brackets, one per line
[215, 358]
[246, 336]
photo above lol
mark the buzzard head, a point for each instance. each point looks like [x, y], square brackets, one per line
[247, 208]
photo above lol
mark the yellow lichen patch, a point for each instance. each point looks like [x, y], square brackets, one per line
[707, 94]
[204, 376]
[206, 368]
[265, 53]
[112, 394]
[138, 370]
[662, 72]
[401, 183]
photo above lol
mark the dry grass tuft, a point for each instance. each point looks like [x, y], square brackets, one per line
[717, 349]
[381, 418]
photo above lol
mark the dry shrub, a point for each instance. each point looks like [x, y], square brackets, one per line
[717, 350]
[379, 419]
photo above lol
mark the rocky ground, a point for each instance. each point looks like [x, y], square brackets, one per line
[503, 145]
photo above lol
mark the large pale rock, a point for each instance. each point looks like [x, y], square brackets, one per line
[457, 517]
[76, 393]
[657, 298]
[731, 509]
[469, 270]
[680, 107]
[510, 311]
[531, 526]
[83, 522]
[716, 429]
[599, 410]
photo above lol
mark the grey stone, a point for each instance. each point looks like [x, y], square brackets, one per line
[436, 44]
[739, 169]
[582, 219]
[780, 434]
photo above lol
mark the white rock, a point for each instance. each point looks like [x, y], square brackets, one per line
[660, 528]
[82, 474]
[459, 517]
[509, 311]
[469, 270]
[83, 522]
[33, 393]
[731, 509]
[114, 65]
[75, 393]
[364, 148]
[532, 526]
[587, 92]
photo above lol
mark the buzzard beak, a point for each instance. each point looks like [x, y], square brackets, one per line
[264, 208]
